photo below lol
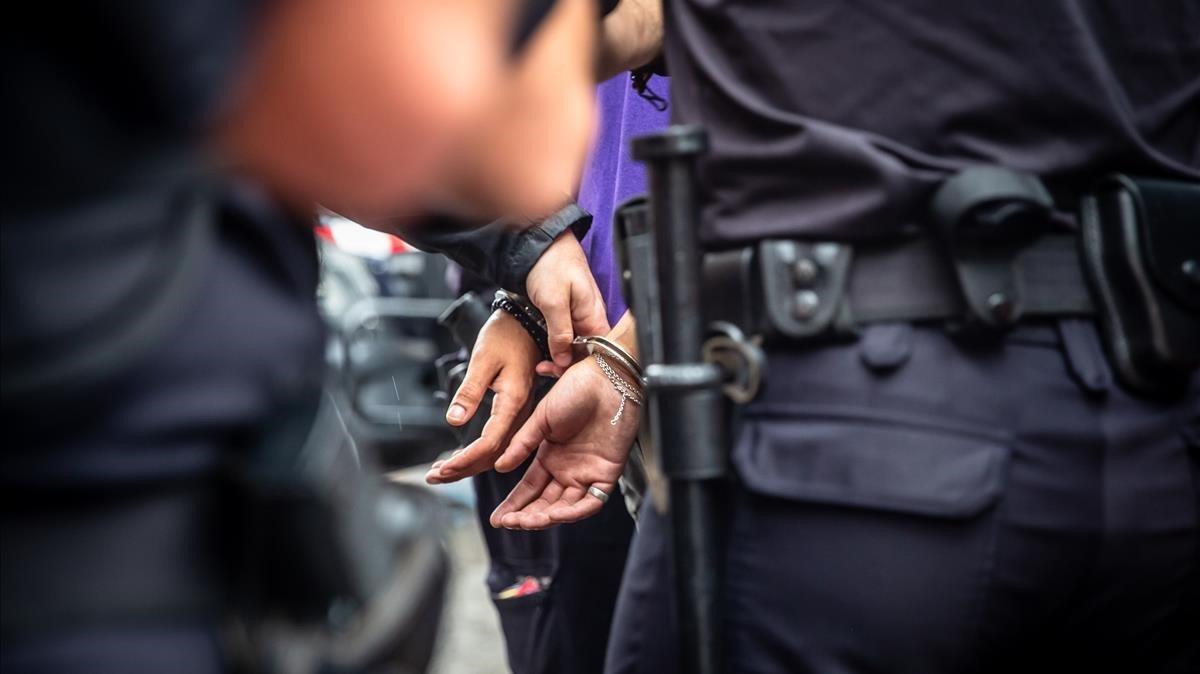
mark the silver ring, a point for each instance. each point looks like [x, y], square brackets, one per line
[598, 493]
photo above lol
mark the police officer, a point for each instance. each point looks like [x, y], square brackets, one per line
[160, 273]
[977, 483]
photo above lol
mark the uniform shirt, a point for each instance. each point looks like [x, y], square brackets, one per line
[834, 119]
[107, 108]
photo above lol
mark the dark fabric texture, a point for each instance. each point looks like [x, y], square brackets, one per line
[181, 648]
[908, 502]
[838, 119]
[102, 91]
[564, 628]
[501, 252]
[109, 105]
[107, 110]
[970, 510]
[250, 340]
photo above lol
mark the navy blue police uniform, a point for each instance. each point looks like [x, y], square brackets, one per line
[914, 500]
[154, 316]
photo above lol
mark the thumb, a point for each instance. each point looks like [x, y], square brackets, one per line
[470, 392]
[525, 440]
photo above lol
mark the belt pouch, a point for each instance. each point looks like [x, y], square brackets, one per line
[1141, 249]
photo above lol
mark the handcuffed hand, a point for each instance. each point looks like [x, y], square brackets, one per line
[561, 286]
[503, 361]
[577, 447]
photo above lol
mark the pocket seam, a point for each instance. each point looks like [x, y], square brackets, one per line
[856, 414]
[756, 479]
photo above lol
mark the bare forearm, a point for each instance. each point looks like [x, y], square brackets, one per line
[630, 37]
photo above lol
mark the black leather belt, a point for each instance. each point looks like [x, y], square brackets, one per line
[784, 289]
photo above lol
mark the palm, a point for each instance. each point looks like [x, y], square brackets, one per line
[577, 447]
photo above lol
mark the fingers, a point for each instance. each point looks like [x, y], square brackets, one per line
[531, 486]
[559, 331]
[576, 504]
[555, 505]
[547, 368]
[587, 307]
[533, 516]
[441, 462]
[581, 313]
[481, 454]
[525, 440]
[480, 373]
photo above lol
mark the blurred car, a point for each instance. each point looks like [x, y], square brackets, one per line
[381, 299]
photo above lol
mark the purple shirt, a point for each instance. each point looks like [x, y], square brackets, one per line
[612, 176]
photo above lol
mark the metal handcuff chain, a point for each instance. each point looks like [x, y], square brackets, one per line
[623, 387]
[602, 349]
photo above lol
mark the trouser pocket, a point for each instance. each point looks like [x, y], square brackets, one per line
[524, 620]
[875, 463]
[869, 538]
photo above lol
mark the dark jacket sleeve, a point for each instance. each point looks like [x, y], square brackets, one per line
[502, 252]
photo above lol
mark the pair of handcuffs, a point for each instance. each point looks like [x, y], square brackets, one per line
[603, 350]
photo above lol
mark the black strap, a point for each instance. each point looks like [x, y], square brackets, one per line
[95, 351]
[911, 282]
[783, 289]
[987, 197]
[502, 252]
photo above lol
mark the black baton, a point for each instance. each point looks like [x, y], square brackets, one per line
[685, 407]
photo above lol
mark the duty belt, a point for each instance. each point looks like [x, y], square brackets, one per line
[785, 289]
[994, 253]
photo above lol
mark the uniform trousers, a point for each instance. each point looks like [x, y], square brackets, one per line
[917, 502]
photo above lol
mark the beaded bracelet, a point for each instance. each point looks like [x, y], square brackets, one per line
[535, 326]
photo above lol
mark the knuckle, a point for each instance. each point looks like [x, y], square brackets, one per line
[519, 398]
[470, 390]
[554, 302]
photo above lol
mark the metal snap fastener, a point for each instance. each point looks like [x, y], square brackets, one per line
[1191, 270]
[805, 305]
[1001, 307]
[805, 271]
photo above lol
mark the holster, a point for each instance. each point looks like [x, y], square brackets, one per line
[1140, 243]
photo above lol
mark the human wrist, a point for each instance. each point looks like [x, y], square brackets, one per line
[526, 249]
[514, 335]
[624, 334]
[626, 386]
[526, 318]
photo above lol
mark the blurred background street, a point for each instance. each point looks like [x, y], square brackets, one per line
[469, 641]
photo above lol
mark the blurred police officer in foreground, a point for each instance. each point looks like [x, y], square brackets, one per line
[159, 269]
[976, 446]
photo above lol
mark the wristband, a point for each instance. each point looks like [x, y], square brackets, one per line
[527, 315]
[525, 248]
